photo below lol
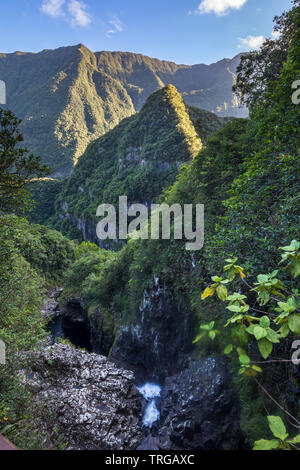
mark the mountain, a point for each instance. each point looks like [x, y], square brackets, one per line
[205, 86]
[139, 158]
[70, 96]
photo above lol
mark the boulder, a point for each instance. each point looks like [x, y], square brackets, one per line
[96, 404]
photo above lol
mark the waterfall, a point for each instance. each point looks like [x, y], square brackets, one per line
[150, 392]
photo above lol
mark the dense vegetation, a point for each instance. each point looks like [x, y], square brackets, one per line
[32, 258]
[138, 158]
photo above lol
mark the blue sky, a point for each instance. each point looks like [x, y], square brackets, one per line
[183, 31]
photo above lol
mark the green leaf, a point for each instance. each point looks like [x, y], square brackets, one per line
[236, 296]
[212, 335]
[234, 308]
[294, 268]
[262, 278]
[263, 444]
[228, 349]
[272, 336]
[259, 332]
[294, 246]
[284, 330]
[208, 327]
[250, 329]
[199, 337]
[265, 347]
[264, 297]
[244, 359]
[222, 293]
[294, 324]
[292, 303]
[277, 427]
[295, 440]
[217, 279]
[264, 322]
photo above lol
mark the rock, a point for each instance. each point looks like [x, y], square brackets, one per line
[51, 304]
[74, 311]
[159, 339]
[97, 406]
[199, 409]
[102, 327]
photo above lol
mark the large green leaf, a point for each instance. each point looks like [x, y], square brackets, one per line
[264, 322]
[265, 347]
[294, 324]
[272, 336]
[263, 444]
[277, 427]
[222, 293]
[259, 332]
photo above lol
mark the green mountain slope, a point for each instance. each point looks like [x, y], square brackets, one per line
[138, 158]
[70, 96]
[65, 102]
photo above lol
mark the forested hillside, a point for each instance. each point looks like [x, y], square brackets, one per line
[139, 158]
[68, 97]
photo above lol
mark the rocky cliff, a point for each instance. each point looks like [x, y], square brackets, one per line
[159, 339]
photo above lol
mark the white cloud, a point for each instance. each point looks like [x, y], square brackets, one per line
[115, 26]
[78, 13]
[275, 34]
[219, 7]
[53, 8]
[251, 42]
[74, 12]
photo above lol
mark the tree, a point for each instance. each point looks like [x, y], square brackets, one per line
[258, 69]
[17, 165]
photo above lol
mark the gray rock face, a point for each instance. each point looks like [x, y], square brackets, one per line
[74, 310]
[96, 404]
[199, 409]
[160, 338]
[51, 304]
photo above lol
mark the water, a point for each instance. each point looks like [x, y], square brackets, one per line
[150, 392]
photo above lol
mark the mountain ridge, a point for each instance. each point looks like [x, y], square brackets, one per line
[70, 96]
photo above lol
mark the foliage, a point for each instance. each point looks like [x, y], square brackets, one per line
[280, 441]
[16, 164]
[30, 258]
[267, 328]
[44, 192]
[253, 319]
[258, 69]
